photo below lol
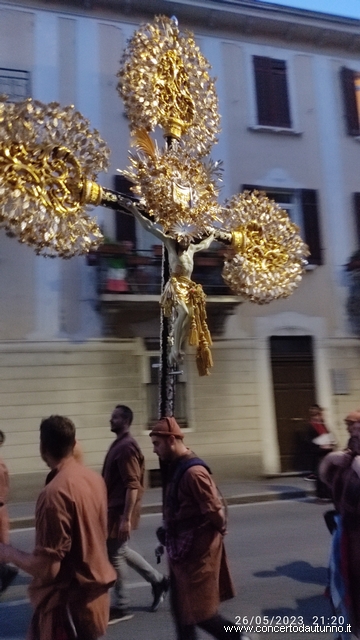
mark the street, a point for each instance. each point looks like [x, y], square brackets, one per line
[278, 554]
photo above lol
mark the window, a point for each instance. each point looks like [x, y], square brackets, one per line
[15, 84]
[351, 91]
[302, 208]
[152, 387]
[272, 98]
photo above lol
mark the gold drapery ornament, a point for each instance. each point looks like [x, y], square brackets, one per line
[181, 289]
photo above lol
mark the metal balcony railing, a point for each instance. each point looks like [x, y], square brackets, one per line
[122, 271]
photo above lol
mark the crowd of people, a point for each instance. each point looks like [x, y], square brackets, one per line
[83, 523]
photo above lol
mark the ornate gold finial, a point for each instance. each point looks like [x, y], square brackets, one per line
[164, 81]
[268, 256]
[48, 156]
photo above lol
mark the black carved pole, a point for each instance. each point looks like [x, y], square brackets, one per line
[167, 377]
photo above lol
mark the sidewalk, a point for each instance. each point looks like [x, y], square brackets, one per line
[284, 487]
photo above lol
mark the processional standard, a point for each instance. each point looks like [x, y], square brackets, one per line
[49, 162]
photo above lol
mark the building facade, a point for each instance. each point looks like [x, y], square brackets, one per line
[289, 84]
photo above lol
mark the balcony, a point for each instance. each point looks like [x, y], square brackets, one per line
[129, 286]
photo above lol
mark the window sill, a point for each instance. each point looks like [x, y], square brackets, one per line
[277, 130]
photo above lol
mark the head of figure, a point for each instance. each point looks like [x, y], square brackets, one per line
[2, 438]
[57, 439]
[167, 439]
[316, 413]
[352, 422]
[121, 419]
[182, 245]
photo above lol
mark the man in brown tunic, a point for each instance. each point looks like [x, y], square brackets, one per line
[123, 472]
[194, 526]
[69, 565]
[7, 573]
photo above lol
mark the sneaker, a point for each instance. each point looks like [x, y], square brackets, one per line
[159, 590]
[8, 577]
[119, 615]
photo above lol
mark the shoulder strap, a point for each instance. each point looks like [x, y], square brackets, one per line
[181, 467]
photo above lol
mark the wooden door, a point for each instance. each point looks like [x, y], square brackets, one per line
[294, 391]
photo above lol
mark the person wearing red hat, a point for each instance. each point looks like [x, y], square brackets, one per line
[352, 421]
[193, 532]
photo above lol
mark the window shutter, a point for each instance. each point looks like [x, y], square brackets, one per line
[357, 216]
[271, 92]
[280, 93]
[263, 89]
[124, 223]
[311, 224]
[351, 109]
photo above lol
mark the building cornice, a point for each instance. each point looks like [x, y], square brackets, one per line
[250, 18]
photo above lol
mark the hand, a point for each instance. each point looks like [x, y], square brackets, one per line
[124, 530]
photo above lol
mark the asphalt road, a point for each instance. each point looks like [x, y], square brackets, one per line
[278, 554]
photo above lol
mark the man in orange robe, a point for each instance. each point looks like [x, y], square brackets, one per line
[193, 532]
[69, 565]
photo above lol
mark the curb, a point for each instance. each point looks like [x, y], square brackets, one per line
[250, 498]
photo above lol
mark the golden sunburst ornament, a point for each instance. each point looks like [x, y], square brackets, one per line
[48, 156]
[175, 186]
[268, 256]
[164, 81]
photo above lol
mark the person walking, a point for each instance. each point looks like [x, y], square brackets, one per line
[340, 470]
[7, 572]
[69, 565]
[320, 442]
[124, 472]
[193, 532]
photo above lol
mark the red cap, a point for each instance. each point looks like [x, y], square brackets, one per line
[167, 427]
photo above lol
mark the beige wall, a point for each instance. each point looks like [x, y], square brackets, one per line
[86, 381]
[231, 414]
[228, 418]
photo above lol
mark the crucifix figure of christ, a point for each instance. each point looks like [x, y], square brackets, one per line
[182, 295]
